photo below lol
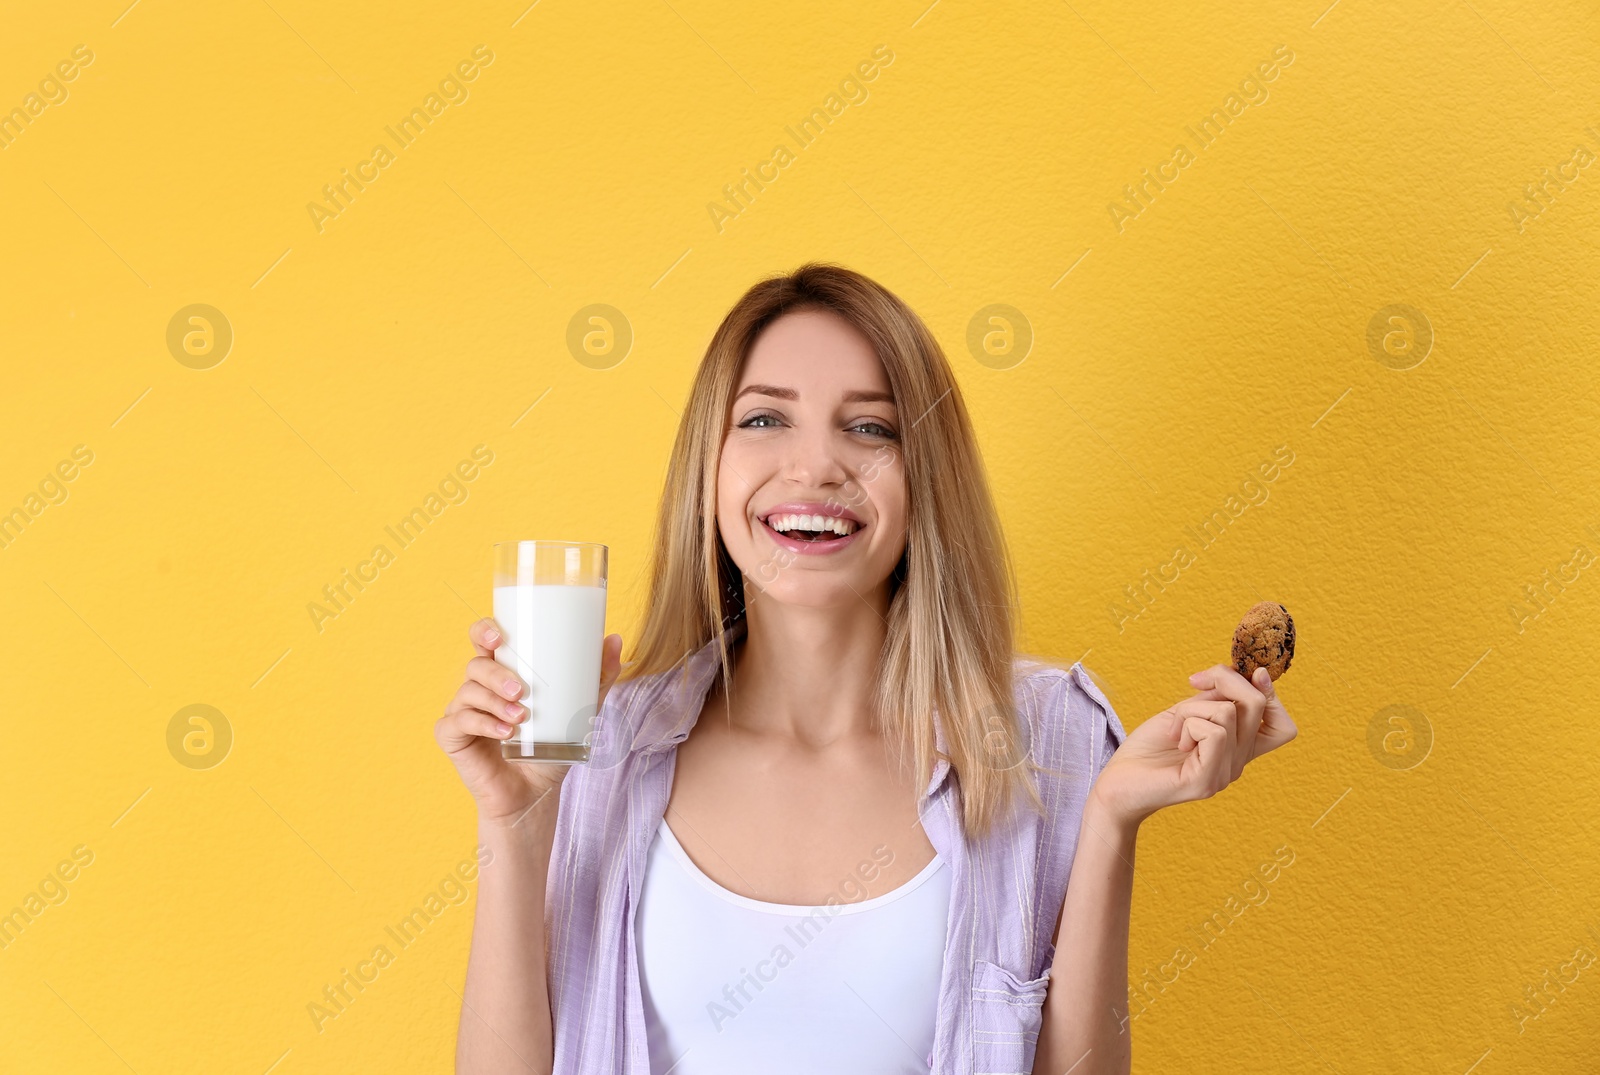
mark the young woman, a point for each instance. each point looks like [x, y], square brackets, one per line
[830, 815]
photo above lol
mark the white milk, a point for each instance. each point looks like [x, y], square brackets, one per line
[552, 641]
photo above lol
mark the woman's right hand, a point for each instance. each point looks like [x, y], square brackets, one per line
[484, 711]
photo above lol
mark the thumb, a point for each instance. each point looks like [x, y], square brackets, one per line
[610, 662]
[1277, 727]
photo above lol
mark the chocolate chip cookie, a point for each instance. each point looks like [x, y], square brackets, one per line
[1264, 639]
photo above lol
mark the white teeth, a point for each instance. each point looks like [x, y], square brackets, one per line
[842, 527]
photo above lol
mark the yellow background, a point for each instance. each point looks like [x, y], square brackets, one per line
[369, 358]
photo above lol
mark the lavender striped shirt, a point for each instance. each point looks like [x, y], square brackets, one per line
[1006, 889]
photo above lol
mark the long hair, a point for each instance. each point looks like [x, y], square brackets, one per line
[951, 621]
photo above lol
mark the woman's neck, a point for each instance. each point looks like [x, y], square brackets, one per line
[808, 673]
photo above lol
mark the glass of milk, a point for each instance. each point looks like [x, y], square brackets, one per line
[550, 603]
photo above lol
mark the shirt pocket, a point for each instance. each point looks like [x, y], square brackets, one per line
[1006, 1015]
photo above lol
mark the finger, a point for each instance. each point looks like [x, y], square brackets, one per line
[610, 661]
[1280, 735]
[1247, 733]
[485, 635]
[496, 676]
[1224, 681]
[1213, 756]
[456, 730]
[1228, 683]
[610, 666]
[473, 695]
[1222, 711]
[1277, 727]
[1219, 713]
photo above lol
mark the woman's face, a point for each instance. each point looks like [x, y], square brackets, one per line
[813, 431]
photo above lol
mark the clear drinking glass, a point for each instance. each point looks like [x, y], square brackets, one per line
[550, 603]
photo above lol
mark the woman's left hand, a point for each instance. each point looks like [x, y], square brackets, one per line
[1195, 748]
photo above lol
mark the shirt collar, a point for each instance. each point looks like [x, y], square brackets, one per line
[675, 710]
[685, 685]
[941, 761]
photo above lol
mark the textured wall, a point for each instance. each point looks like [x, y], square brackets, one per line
[1373, 277]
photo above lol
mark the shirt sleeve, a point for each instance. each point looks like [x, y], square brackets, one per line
[1074, 728]
[1076, 733]
[1107, 732]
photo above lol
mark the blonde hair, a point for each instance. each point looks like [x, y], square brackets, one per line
[951, 620]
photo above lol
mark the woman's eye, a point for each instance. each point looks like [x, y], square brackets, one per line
[765, 421]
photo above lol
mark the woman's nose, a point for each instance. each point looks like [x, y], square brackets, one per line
[815, 459]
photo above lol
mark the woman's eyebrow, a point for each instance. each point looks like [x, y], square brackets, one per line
[767, 390]
[779, 392]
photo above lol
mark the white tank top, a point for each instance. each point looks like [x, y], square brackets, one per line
[734, 985]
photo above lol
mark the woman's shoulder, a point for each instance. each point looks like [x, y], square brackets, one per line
[1034, 676]
[636, 715]
[1071, 724]
[625, 713]
[646, 709]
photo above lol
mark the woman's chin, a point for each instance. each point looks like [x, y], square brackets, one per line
[834, 592]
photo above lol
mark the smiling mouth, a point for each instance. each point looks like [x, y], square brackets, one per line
[816, 528]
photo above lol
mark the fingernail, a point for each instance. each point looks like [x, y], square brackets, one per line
[491, 635]
[513, 689]
[1194, 677]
